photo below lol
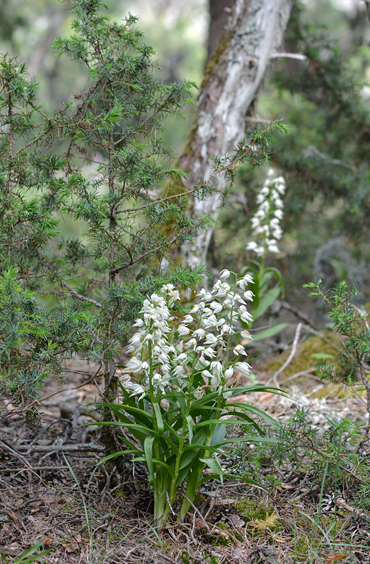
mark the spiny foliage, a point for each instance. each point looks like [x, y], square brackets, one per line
[321, 158]
[351, 323]
[97, 163]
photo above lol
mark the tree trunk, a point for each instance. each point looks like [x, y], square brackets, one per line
[227, 95]
[37, 58]
[219, 12]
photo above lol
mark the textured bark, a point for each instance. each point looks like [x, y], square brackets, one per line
[219, 12]
[227, 95]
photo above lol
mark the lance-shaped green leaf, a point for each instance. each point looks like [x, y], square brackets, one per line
[158, 416]
[268, 299]
[270, 332]
[252, 409]
[215, 466]
[148, 457]
[218, 434]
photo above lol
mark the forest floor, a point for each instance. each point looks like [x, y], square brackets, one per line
[311, 503]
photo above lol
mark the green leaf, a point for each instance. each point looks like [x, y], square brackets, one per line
[256, 388]
[279, 276]
[270, 332]
[255, 410]
[215, 466]
[156, 462]
[281, 127]
[321, 356]
[225, 422]
[200, 446]
[218, 434]
[205, 400]
[189, 455]
[136, 411]
[268, 299]
[117, 454]
[171, 429]
[149, 431]
[183, 474]
[246, 420]
[27, 555]
[158, 415]
[148, 456]
[265, 281]
[133, 447]
[193, 476]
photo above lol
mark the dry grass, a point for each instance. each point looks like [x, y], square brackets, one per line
[53, 493]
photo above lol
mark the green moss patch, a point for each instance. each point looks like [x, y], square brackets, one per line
[307, 356]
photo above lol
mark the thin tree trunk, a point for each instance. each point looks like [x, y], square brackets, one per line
[227, 95]
[37, 58]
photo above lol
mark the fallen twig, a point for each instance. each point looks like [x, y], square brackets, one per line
[6, 470]
[351, 509]
[297, 313]
[58, 448]
[274, 378]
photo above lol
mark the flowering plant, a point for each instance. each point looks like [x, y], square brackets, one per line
[266, 221]
[181, 400]
[267, 233]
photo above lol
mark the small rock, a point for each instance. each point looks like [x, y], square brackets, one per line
[237, 552]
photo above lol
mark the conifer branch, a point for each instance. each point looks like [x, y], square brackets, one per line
[69, 287]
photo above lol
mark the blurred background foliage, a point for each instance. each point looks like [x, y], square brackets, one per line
[323, 100]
